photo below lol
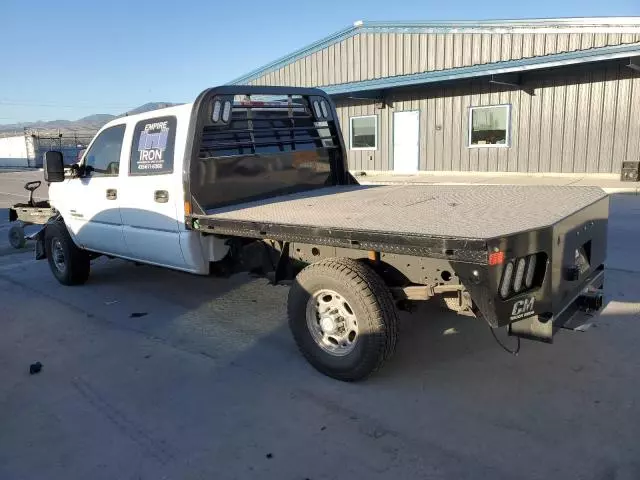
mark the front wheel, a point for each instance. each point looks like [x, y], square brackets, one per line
[343, 318]
[69, 264]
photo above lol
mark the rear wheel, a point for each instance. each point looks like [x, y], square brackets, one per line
[343, 318]
[69, 264]
[16, 236]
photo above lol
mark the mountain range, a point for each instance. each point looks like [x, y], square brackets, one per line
[90, 123]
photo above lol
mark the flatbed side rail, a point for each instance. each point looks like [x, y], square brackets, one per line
[468, 250]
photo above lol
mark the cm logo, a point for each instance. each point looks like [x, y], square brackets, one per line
[522, 308]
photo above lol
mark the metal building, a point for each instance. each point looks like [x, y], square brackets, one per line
[553, 95]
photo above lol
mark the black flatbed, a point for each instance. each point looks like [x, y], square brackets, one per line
[446, 221]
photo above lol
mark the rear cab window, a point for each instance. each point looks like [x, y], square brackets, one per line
[267, 147]
[153, 146]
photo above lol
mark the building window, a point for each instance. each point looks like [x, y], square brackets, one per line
[489, 126]
[364, 132]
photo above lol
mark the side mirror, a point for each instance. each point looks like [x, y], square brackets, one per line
[53, 166]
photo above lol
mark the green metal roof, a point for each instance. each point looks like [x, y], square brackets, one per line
[438, 27]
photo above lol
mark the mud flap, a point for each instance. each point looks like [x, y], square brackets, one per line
[534, 328]
[41, 254]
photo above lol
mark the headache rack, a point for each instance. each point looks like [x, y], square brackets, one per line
[257, 127]
[255, 142]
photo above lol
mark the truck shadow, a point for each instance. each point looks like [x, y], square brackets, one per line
[214, 311]
[430, 338]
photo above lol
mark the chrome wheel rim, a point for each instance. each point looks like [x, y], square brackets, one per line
[57, 255]
[332, 322]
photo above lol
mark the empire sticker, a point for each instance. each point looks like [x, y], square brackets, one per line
[152, 146]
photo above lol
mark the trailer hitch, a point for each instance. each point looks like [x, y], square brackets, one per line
[590, 302]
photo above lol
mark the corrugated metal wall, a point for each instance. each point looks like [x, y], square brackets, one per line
[574, 119]
[375, 55]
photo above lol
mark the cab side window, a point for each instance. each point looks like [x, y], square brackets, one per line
[103, 157]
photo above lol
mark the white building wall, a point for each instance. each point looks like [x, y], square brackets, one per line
[13, 152]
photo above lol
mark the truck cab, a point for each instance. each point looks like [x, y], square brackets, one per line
[125, 197]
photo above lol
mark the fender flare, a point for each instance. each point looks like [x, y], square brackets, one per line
[41, 253]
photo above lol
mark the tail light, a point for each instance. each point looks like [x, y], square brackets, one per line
[221, 112]
[505, 286]
[517, 281]
[316, 109]
[531, 270]
[529, 274]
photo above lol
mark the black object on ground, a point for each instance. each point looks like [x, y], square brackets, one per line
[35, 368]
[138, 314]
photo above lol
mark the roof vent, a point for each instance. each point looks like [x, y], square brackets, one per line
[358, 23]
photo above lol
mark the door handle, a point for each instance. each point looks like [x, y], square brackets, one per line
[112, 194]
[161, 196]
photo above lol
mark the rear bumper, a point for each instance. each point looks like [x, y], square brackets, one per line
[581, 308]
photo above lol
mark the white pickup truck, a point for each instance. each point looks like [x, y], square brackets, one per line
[255, 179]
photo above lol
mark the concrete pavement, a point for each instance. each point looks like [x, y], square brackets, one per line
[609, 183]
[154, 374]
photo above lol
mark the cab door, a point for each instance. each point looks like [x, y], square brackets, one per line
[92, 202]
[151, 194]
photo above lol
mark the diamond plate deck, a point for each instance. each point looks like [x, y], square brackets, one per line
[449, 211]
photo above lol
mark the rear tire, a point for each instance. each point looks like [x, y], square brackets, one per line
[69, 264]
[16, 237]
[343, 318]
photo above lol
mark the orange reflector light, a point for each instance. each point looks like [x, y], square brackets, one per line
[187, 207]
[496, 258]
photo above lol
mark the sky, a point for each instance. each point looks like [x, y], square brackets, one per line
[68, 59]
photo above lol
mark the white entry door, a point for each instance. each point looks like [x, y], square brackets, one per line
[406, 141]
